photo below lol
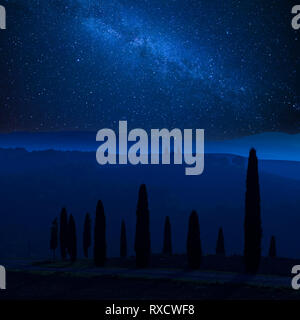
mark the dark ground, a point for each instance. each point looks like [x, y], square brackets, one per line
[27, 286]
[268, 266]
[220, 278]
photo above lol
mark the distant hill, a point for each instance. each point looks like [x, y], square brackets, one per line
[35, 185]
[269, 145]
[64, 141]
[273, 146]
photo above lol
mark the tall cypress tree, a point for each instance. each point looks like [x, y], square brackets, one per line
[194, 250]
[167, 246]
[54, 235]
[100, 236]
[87, 235]
[72, 239]
[252, 223]
[63, 233]
[123, 241]
[142, 244]
[220, 248]
[272, 249]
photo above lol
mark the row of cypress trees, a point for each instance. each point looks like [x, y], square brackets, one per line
[142, 245]
[68, 240]
[67, 236]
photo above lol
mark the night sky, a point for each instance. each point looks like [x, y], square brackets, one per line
[228, 67]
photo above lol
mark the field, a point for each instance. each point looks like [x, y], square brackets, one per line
[168, 278]
[61, 286]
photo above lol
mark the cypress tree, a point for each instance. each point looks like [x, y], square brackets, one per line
[252, 223]
[220, 248]
[142, 235]
[54, 235]
[123, 241]
[72, 239]
[194, 250]
[272, 249]
[87, 235]
[167, 246]
[63, 233]
[100, 236]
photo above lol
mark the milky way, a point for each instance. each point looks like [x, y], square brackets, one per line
[229, 68]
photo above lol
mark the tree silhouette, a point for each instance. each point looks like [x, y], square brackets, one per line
[272, 249]
[72, 239]
[54, 235]
[194, 250]
[87, 235]
[142, 234]
[220, 248]
[123, 241]
[100, 236]
[63, 233]
[252, 223]
[167, 246]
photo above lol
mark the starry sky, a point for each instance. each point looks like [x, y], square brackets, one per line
[229, 67]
